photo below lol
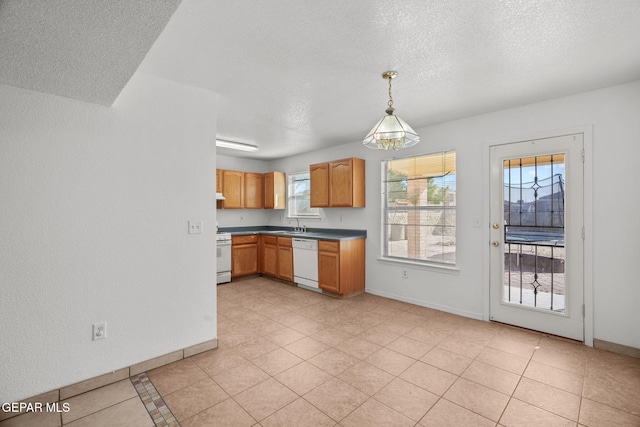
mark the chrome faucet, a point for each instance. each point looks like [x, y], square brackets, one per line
[297, 222]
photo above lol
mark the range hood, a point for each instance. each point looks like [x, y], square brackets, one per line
[219, 196]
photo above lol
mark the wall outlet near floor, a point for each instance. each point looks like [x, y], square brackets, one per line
[99, 331]
[405, 274]
[196, 227]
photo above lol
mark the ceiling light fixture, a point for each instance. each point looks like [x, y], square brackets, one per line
[391, 132]
[236, 145]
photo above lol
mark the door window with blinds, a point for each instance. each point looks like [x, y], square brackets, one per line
[299, 202]
[419, 208]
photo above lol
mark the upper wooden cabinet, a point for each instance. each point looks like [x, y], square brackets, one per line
[219, 181]
[275, 196]
[338, 184]
[233, 189]
[319, 174]
[253, 190]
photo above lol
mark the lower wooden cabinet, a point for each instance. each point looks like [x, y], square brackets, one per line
[277, 257]
[341, 266]
[244, 255]
[285, 259]
[269, 256]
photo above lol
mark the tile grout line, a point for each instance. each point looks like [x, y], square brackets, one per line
[340, 311]
[153, 402]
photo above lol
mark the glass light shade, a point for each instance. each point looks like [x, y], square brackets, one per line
[391, 132]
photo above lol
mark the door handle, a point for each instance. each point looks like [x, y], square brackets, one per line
[495, 243]
[495, 225]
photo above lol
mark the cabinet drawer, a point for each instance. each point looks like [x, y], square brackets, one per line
[270, 240]
[328, 246]
[284, 241]
[243, 240]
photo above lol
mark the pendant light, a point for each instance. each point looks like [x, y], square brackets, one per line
[391, 132]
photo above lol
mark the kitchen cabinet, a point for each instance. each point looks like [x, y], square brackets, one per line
[253, 190]
[275, 196]
[277, 257]
[269, 256]
[285, 259]
[219, 181]
[233, 189]
[244, 255]
[319, 178]
[338, 184]
[341, 266]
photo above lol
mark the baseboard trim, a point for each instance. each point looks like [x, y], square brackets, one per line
[463, 313]
[66, 392]
[617, 348]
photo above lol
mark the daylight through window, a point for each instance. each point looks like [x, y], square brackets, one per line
[419, 208]
[299, 201]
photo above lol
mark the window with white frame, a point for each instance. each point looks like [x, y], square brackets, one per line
[299, 200]
[419, 208]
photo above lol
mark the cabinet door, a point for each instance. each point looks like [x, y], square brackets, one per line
[285, 259]
[269, 197]
[252, 190]
[341, 183]
[270, 259]
[244, 260]
[219, 181]
[274, 190]
[233, 189]
[329, 271]
[319, 178]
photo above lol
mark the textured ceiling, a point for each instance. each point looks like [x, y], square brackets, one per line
[82, 49]
[299, 75]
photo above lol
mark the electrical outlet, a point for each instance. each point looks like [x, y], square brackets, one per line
[196, 227]
[99, 331]
[405, 274]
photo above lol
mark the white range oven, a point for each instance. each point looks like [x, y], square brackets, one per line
[223, 259]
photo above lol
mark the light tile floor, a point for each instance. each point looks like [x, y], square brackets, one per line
[292, 357]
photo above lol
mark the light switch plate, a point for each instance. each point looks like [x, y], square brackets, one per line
[196, 227]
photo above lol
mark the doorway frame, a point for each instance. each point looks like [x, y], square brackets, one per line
[587, 131]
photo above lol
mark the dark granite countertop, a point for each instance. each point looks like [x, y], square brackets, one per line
[311, 233]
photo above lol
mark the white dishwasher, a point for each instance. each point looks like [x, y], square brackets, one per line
[305, 263]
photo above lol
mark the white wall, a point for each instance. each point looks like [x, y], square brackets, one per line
[613, 114]
[93, 227]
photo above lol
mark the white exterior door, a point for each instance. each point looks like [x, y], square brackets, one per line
[537, 243]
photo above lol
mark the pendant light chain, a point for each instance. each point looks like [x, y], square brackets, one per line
[390, 103]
